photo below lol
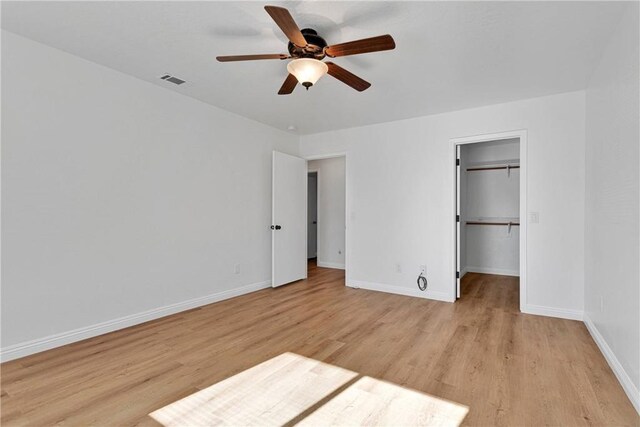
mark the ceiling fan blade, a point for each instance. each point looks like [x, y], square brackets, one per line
[372, 44]
[286, 23]
[251, 57]
[347, 77]
[289, 85]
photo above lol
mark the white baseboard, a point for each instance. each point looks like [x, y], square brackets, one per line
[41, 344]
[487, 270]
[625, 380]
[428, 294]
[335, 265]
[562, 313]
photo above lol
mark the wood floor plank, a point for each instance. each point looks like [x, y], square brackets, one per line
[508, 368]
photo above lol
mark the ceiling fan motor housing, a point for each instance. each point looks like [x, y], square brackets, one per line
[314, 49]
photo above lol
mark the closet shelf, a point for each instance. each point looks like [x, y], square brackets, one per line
[498, 165]
[494, 221]
[491, 223]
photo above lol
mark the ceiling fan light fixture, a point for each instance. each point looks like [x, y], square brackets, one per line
[307, 70]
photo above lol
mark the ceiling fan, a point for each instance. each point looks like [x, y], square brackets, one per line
[307, 50]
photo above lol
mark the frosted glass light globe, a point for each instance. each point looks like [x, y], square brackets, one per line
[307, 70]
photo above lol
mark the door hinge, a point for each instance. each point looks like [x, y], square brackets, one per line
[457, 162]
[457, 274]
[457, 218]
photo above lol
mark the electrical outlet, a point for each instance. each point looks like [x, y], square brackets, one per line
[236, 269]
[423, 269]
[398, 268]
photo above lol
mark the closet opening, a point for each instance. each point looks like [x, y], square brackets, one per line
[326, 218]
[489, 222]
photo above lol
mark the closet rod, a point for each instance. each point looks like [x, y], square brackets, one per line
[491, 223]
[492, 168]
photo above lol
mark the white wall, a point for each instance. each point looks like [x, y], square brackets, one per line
[492, 195]
[331, 211]
[401, 183]
[120, 197]
[612, 296]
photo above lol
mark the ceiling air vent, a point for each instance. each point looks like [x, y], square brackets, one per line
[172, 79]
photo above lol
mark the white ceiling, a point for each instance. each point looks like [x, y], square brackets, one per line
[449, 55]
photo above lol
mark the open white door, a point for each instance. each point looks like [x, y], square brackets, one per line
[458, 221]
[289, 219]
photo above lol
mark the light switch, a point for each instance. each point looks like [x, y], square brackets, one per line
[534, 217]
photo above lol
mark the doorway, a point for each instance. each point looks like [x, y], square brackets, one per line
[312, 215]
[326, 213]
[490, 212]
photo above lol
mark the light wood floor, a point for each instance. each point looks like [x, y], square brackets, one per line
[508, 368]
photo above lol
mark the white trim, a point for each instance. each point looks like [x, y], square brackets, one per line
[625, 380]
[325, 156]
[489, 270]
[52, 341]
[522, 135]
[410, 292]
[336, 265]
[459, 219]
[562, 313]
[347, 220]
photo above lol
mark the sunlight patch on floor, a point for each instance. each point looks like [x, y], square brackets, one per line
[271, 393]
[292, 388]
[374, 402]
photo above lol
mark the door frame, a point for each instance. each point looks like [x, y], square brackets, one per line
[347, 251]
[455, 142]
